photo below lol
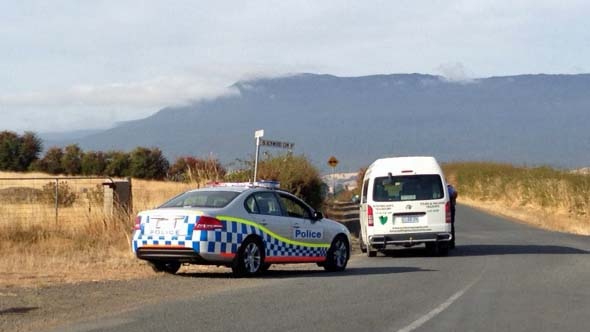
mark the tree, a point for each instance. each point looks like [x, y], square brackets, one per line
[17, 153]
[94, 163]
[9, 151]
[31, 147]
[148, 163]
[71, 160]
[51, 162]
[117, 164]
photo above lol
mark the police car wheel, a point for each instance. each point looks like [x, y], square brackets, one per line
[250, 259]
[168, 267]
[338, 255]
[265, 267]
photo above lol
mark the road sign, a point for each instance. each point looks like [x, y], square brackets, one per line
[259, 133]
[332, 161]
[277, 144]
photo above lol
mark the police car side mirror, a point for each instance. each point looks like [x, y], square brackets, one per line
[317, 216]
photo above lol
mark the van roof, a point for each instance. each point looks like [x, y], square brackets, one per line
[405, 165]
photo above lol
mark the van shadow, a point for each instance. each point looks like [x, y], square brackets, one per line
[514, 249]
[280, 272]
[490, 250]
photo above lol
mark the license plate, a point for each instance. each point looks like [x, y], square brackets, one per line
[168, 227]
[410, 219]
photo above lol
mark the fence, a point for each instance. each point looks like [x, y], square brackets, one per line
[346, 213]
[60, 199]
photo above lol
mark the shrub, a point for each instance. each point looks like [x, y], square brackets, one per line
[65, 196]
[295, 173]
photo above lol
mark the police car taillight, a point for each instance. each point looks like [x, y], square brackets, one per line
[207, 223]
[369, 215]
[448, 212]
[137, 224]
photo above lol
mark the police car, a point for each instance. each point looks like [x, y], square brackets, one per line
[244, 226]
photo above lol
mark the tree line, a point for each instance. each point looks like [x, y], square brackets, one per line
[20, 153]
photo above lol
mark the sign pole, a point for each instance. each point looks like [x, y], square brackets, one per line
[333, 162]
[258, 134]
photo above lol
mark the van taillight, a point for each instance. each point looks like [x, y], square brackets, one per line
[137, 224]
[207, 223]
[448, 212]
[369, 215]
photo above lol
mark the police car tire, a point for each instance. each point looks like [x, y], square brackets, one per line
[168, 267]
[332, 263]
[265, 267]
[239, 266]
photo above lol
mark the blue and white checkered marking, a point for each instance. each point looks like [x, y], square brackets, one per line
[228, 240]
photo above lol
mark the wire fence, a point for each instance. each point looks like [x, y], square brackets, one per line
[55, 199]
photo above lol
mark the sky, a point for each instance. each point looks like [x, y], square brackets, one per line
[76, 65]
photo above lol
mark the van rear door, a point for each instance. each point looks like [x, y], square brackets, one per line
[408, 203]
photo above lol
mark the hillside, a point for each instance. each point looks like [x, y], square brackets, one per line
[528, 119]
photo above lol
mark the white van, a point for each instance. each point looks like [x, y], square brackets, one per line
[405, 202]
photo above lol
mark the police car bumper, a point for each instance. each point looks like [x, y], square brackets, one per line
[183, 255]
[382, 242]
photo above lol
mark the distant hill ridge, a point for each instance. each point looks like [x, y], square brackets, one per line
[524, 119]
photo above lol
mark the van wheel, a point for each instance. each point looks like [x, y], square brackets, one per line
[437, 248]
[168, 267]
[362, 242]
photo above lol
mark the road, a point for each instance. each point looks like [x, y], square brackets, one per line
[503, 276]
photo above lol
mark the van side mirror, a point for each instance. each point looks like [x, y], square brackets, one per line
[317, 215]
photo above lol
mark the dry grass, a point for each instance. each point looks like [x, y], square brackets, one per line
[542, 196]
[83, 245]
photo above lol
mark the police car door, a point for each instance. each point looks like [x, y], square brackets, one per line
[265, 209]
[304, 228]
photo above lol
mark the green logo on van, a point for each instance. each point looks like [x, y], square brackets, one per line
[383, 219]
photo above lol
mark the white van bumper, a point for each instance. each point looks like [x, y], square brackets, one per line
[381, 242]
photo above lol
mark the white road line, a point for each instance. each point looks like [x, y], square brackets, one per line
[422, 320]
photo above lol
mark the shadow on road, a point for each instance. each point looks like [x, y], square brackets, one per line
[280, 272]
[489, 250]
[17, 310]
[514, 249]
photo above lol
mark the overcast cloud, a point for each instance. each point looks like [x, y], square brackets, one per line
[69, 65]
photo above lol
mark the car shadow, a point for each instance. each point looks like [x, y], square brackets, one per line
[489, 250]
[17, 310]
[280, 272]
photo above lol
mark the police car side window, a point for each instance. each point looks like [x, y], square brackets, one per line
[294, 208]
[267, 204]
[250, 205]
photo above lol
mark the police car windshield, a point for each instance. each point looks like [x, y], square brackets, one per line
[407, 188]
[202, 199]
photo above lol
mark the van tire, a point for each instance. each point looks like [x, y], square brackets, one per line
[437, 248]
[362, 243]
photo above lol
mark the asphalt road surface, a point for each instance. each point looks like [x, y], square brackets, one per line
[502, 276]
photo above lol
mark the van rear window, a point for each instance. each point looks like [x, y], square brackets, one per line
[407, 188]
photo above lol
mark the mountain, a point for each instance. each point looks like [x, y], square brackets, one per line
[526, 119]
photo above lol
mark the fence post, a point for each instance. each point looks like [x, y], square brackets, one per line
[56, 199]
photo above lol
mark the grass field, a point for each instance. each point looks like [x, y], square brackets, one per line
[85, 245]
[542, 196]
